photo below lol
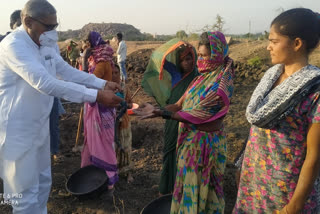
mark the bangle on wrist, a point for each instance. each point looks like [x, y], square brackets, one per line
[166, 114]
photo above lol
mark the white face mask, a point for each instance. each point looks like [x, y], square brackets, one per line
[49, 38]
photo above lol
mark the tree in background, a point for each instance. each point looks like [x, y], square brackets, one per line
[181, 34]
[206, 28]
[217, 26]
[266, 34]
[193, 37]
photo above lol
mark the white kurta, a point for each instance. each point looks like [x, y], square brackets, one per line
[122, 52]
[28, 83]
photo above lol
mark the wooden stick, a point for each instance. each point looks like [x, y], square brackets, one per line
[79, 127]
[135, 93]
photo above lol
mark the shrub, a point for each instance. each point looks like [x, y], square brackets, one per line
[255, 61]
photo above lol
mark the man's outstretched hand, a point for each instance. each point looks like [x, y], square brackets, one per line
[115, 87]
[108, 98]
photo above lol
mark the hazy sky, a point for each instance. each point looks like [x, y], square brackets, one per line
[165, 16]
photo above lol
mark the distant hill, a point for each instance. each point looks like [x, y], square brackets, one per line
[107, 30]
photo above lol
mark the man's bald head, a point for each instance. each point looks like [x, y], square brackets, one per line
[38, 9]
[38, 16]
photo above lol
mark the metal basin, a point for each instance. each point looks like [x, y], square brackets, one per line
[161, 205]
[88, 181]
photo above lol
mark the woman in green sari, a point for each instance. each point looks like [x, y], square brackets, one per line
[170, 70]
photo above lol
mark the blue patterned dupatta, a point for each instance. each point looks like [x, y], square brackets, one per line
[268, 105]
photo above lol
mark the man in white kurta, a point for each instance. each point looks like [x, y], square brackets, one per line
[121, 56]
[28, 83]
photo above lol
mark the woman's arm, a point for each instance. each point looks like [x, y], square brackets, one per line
[309, 171]
[173, 112]
[149, 111]
[166, 114]
[175, 107]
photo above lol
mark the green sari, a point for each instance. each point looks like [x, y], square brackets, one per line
[162, 81]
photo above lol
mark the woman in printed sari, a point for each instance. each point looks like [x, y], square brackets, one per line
[123, 134]
[201, 149]
[99, 121]
[180, 63]
[282, 157]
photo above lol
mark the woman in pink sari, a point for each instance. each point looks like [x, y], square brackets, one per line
[99, 121]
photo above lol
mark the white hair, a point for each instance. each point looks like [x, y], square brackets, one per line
[38, 9]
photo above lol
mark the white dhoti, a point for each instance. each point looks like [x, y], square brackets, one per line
[27, 181]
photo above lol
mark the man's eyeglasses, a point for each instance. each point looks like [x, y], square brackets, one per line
[48, 27]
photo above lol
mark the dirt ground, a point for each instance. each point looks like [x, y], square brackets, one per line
[130, 198]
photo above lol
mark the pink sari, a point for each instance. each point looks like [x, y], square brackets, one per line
[98, 147]
[99, 121]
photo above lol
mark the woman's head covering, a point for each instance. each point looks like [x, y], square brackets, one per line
[219, 53]
[95, 39]
[102, 52]
[173, 52]
[219, 46]
[163, 73]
